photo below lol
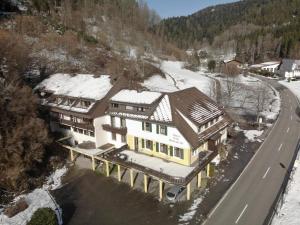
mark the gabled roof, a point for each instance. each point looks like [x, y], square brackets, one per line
[136, 97]
[289, 65]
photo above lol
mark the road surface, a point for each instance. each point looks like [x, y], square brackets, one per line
[250, 198]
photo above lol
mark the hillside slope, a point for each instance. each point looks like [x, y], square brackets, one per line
[256, 29]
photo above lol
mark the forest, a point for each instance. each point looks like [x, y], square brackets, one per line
[66, 36]
[256, 29]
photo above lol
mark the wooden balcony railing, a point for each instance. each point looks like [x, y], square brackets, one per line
[118, 130]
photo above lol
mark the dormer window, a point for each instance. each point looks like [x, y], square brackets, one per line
[128, 107]
[141, 109]
[115, 105]
[86, 104]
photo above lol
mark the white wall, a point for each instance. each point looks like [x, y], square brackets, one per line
[174, 137]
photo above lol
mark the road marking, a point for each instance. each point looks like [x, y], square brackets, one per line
[291, 117]
[279, 149]
[266, 173]
[288, 130]
[240, 216]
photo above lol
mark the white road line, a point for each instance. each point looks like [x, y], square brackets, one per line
[288, 130]
[279, 149]
[266, 173]
[240, 216]
[291, 117]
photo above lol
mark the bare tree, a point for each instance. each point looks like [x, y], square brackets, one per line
[231, 73]
[261, 98]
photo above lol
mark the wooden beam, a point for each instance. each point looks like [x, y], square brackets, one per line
[119, 173]
[93, 163]
[188, 191]
[107, 168]
[72, 155]
[199, 179]
[145, 183]
[208, 170]
[131, 177]
[160, 190]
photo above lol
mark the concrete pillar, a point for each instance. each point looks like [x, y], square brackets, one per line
[188, 191]
[145, 183]
[72, 155]
[93, 163]
[208, 170]
[199, 179]
[160, 190]
[119, 173]
[131, 177]
[107, 168]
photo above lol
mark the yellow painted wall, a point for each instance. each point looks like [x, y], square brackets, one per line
[185, 161]
[203, 147]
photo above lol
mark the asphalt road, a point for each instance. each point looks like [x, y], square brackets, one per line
[249, 199]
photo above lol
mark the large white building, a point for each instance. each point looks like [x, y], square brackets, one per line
[180, 132]
[271, 67]
[289, 69]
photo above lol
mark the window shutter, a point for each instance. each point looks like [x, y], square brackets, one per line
[143, 125]
[143, 143]
[157, 147]
[150, 124]
[171, 150]
[157, 128]
[166, 130]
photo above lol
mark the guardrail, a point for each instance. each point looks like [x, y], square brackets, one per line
[279, 197]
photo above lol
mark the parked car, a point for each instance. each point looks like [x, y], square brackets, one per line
[122, 156]
[174, 192]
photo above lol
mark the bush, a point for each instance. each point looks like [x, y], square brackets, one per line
[13, 210]
[43, 216]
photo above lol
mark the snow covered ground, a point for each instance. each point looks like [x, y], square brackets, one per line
[183, 219]
[169, 168]
[294, 86]
[290, 210]
[244, 98]
[39, 198]
[179, 78]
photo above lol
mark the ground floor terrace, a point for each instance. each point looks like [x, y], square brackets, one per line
[143, 172]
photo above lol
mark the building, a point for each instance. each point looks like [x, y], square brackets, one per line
[226, 66]
[289, 69]
[271, 67]
[171, 137]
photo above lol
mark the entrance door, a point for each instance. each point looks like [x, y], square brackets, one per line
[136, 144]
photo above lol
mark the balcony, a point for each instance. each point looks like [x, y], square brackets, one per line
[118, 130]
[83, 125]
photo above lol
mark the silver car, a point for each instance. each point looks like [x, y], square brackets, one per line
[174, 192]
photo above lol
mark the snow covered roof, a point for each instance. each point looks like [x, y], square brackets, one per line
[78, 86]
[264, 64]
[289, 65]
[135, 97]
[163, 111]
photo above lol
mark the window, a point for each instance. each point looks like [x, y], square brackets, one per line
[128, 107]
[113, 136]
[123, 138]
[206, 126]
[147, 126]
[123, 122]
[163, 129]
[80, 131]
[149, 144]
[178, 152]
[113, 121]
[86, 104]
[64, 127]
[115, 105]
[85, 132]
[195, 152]
[92, 134]
[164, 149]
[141, 109]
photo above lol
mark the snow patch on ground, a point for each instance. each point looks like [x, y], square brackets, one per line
[252, 135]
[290, 210]
[179, 78]
[39, 198]
[191, 211]
[294, 86]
